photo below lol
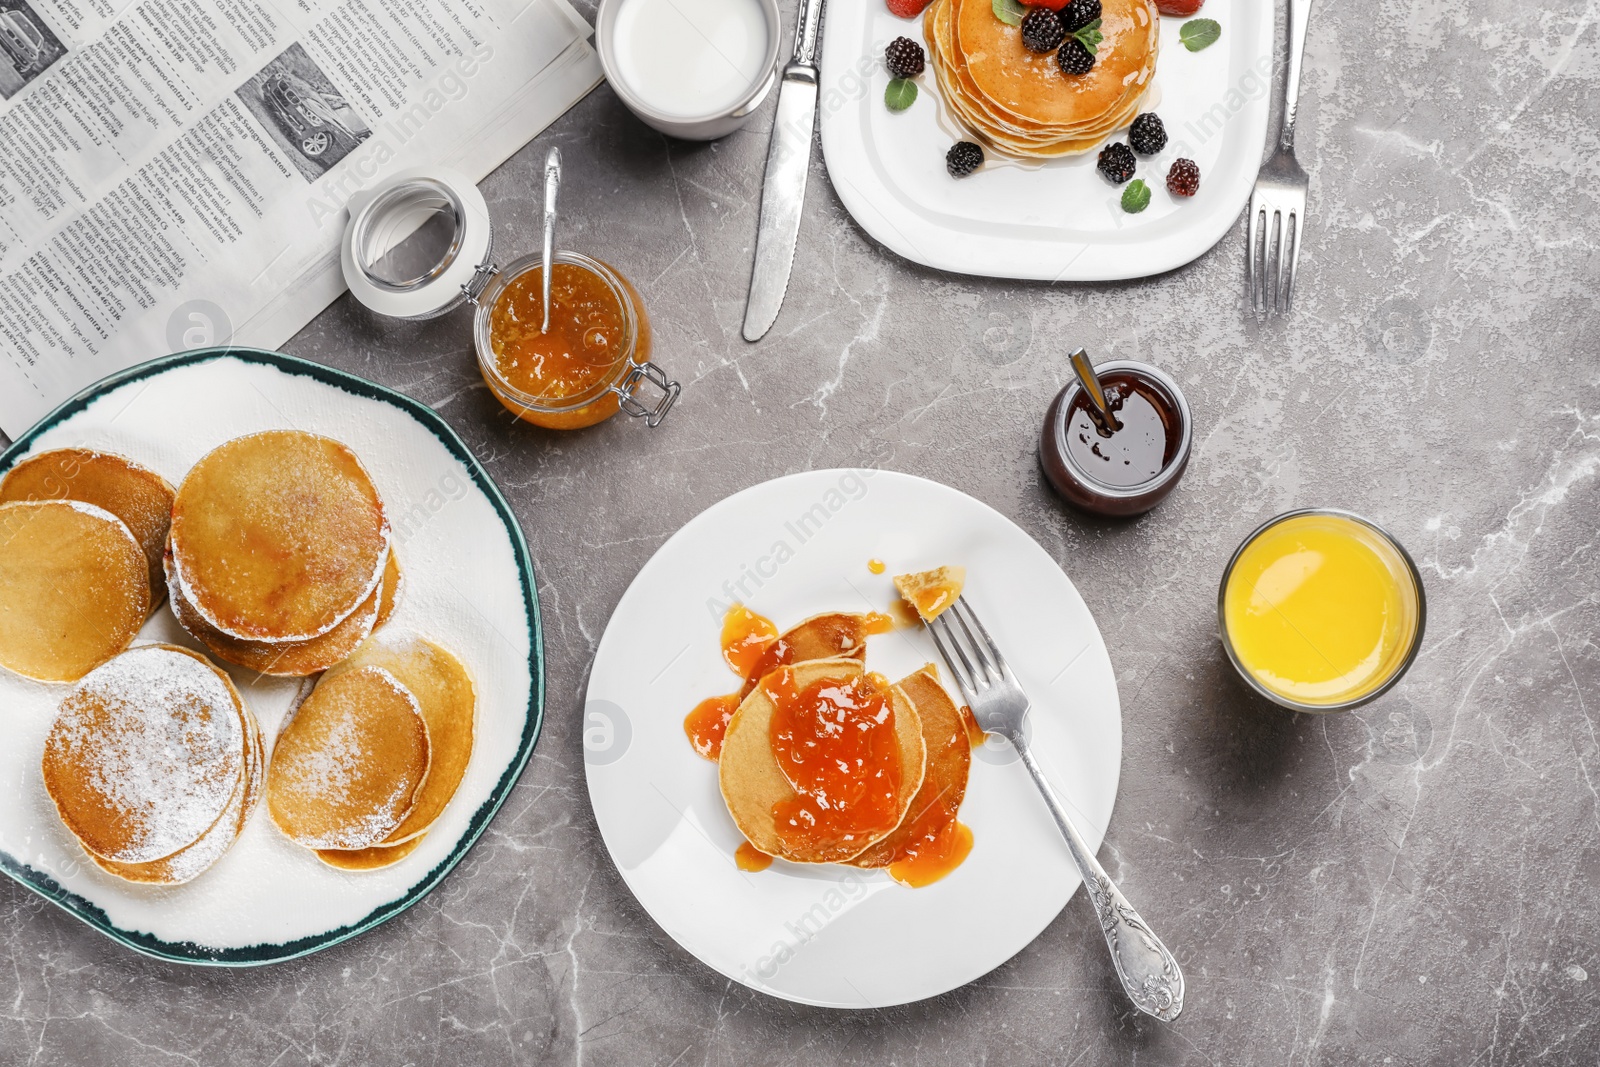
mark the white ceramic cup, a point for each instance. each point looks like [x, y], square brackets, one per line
[721, 118]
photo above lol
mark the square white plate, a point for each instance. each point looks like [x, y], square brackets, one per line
[1060, 221]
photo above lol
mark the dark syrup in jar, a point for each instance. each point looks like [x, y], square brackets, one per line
[1136, 452]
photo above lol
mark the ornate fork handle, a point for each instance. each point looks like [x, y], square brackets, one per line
[1148, 971]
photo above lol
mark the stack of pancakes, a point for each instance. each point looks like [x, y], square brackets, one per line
[1018, 101]
[929, 730]
[155, 764]
[275, 554]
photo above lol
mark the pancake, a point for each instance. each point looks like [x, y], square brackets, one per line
[448, 701]
[753, 783]
[932, 592]
[390, 592]
[278, 536]
[74, 588]
[138, 496]
[146, 753]
[1017, 101]
[830, 635]
[347, 769]
[944, 783]
[293, 659]
[194, 860]
[369, 859]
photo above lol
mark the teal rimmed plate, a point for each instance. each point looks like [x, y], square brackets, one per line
[469, 585]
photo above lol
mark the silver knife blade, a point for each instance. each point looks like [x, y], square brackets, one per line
[783, 197]
[783, 193]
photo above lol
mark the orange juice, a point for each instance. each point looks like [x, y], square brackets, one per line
[1321, 610]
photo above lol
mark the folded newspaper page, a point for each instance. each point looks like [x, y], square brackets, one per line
[173, 175]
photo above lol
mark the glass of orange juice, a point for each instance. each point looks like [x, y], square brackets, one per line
[1321, 610]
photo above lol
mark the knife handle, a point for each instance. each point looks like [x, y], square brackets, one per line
[808, 28]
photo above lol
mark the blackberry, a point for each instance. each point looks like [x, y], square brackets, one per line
[963, 158]
[1184, 178]
[1078, 14]
[1042, 30]
[904, 58]
[1074, 58]
[1116, 163]
[1147, 135]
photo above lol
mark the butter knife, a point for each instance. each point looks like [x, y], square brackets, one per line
[783, 195]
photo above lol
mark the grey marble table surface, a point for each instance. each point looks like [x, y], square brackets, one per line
[1417, 882]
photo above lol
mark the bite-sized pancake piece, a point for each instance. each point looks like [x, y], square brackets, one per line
[831, 635]
[445, 693]
[944, 785]
[369, 859]
[278, 536]
[295, 659]
[190, 862]
[931, 592]
[74, 588]
[146, 753]
[138, 496]
[756, 784]
[349, 766]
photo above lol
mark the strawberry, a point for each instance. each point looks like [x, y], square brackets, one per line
[1053, 5]
[907, 9]
[1179, 8]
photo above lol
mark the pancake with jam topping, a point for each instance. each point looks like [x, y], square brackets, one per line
[821, 761]
[349, 766]
[297, 659]
[932, 592]
[146, 754]
[278, 536]
[138, 496]
[930, 841]
[74, 588]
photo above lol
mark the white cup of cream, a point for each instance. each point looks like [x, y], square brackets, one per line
[695, 69]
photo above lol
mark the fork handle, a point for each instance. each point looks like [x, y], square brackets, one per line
[1148, 972]
[1299, 19]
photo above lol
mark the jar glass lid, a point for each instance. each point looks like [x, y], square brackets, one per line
[417, 244]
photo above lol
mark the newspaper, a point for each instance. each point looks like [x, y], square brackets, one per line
[173, 174]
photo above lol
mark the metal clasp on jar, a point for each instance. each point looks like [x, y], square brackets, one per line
[640, 372]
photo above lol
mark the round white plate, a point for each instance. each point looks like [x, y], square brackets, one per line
[833, 935]
[468, 585]
[1057, 221]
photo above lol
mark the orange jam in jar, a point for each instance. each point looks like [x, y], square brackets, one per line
[590, 362]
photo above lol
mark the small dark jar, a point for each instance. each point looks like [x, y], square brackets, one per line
[1132, 470]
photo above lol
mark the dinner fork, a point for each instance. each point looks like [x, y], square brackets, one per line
[1148, 972]
[1279, 201]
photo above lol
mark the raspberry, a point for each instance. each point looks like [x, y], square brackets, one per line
[1074, 58]
[904, 58]
[1079, 14]
[963, 158]
[1184, 178]
[907, 9]
[1178, 8]
[1042, 30]
[1147, 135]
[1116, 163]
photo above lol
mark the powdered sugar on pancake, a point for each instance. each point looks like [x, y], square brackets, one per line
[145, 754]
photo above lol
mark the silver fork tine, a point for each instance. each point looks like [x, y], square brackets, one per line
[968, 616]
[991, 672]
[946, 640]
[1294, 262]
[1252, 268]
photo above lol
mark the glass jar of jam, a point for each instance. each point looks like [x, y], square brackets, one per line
[1123, 471]
[418, 245]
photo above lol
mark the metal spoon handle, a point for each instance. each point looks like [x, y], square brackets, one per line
[552, 184]
[1091, 385]
[1148, 972]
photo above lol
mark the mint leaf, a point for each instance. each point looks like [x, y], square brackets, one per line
[1199, 33]
[1136, 196]
[1090, 37]
[1009, 12]
[900, 94]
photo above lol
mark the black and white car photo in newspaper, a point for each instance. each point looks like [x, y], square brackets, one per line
[303, 112]
[27, 46]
